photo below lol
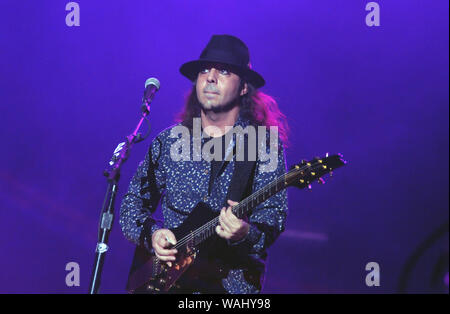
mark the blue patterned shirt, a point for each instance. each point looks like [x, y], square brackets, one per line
[180, 185]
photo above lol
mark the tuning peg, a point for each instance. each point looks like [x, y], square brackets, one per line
[302, 181]
[321, 181]
[318, 159]
[313, 174]
[309, 187]
[297, 167]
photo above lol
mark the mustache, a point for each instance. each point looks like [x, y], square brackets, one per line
[211, 89]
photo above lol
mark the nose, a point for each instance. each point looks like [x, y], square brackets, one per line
[212, 76]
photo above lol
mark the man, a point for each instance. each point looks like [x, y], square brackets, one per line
[225, 94]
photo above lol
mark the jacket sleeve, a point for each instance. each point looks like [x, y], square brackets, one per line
[267, 220]
[142, 198]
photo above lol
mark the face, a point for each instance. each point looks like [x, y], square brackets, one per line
[217, 87]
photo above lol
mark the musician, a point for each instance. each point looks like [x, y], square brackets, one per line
[225, 93]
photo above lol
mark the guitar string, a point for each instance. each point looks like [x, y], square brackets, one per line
[214, 222]
[246, 201]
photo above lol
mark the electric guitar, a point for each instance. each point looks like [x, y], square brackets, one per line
[155, 276]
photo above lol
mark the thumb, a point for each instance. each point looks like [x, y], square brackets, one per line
[170, 237]
[232, 203]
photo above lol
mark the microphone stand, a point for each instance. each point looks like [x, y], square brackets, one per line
[107, 214]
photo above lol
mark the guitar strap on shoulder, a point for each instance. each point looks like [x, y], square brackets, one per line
[242, 179]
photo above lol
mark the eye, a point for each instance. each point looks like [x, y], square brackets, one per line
[224, 72]
[204, 70]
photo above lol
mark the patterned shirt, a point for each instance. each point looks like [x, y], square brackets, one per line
[180, 185]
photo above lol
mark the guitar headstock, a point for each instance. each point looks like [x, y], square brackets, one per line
[304, 173]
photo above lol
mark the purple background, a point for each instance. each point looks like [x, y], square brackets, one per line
[379, 95]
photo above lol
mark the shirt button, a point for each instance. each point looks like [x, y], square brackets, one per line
[205, 198]
[206, 171]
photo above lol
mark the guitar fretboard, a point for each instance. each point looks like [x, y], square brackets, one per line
[245, 206]
[304, 173]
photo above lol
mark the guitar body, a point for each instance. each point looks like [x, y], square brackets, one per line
[199, 265]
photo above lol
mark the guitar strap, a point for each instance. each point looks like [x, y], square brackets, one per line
[242, 179]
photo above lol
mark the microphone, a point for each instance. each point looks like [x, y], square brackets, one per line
[151, 87]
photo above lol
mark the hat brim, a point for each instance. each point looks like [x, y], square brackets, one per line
[192, 68]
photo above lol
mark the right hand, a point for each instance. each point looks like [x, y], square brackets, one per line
[160, 245]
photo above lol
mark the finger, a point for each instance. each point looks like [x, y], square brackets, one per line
[165, 242]
[161, 250]
[231, 217]
[224, 224]
[165, 257]
[161, 242]
[232, 203]
[165, 252]
[222, 233]
[170, 238]
[231, 220]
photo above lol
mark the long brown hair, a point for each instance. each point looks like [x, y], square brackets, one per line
[256, 106]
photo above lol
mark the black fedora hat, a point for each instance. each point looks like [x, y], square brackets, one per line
[228, 50]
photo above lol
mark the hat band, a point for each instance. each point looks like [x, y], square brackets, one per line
[221, 57]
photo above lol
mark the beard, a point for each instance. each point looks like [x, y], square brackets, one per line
[217, 108]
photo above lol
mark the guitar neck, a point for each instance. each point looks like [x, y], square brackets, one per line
[247, 204]
[243, 208]
[300, 176]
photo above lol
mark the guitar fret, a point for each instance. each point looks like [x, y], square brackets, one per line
[273, 189]
[279, 184]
